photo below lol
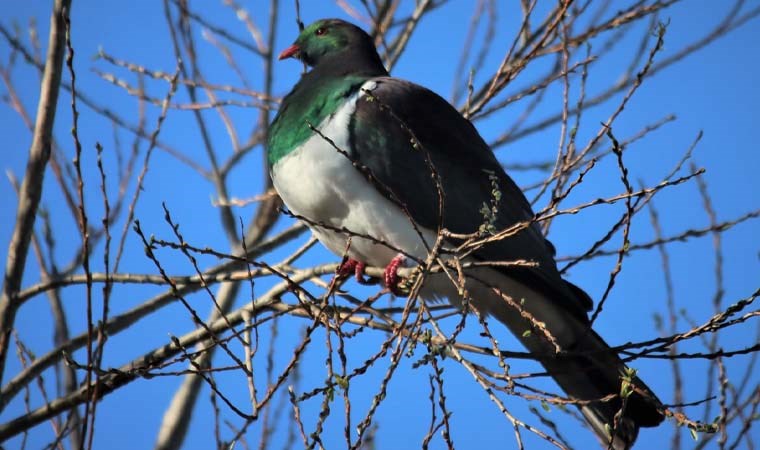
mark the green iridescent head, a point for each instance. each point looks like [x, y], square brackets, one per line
[328, 38]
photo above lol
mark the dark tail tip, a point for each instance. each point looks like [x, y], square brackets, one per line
[644, 409]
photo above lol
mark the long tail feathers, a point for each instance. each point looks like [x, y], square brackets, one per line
[587, 370]
[614, 401]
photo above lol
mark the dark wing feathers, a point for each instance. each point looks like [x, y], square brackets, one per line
[400, 129]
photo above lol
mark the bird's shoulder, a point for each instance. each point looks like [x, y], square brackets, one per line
[402, 107]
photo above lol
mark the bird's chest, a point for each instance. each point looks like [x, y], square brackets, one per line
[318, 181]
[315, 180]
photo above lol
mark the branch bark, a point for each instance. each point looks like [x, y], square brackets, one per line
[31, 187]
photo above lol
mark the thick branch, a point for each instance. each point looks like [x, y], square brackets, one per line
[31, 187]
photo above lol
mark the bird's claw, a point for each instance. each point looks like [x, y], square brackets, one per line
[347, 267]
[352, 266]
[393, 282]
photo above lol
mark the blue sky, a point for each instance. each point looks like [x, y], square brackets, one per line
[714, 90]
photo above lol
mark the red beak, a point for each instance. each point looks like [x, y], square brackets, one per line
[289, 52]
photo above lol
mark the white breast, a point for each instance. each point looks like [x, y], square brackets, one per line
[319, 183]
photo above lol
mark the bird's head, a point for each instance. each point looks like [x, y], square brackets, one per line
[330, 38]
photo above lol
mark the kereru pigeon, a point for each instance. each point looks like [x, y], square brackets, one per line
[358, 153]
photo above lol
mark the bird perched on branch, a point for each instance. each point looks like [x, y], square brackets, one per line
[355, 152]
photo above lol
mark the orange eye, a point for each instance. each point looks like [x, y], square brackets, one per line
[320, 31]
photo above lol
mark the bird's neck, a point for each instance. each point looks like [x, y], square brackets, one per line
[360, 59]
[318, 94]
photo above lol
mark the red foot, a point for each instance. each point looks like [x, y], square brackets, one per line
[355, 267]
[348, 267]
[390, 276]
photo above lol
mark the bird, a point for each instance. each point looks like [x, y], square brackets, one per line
[355, 152]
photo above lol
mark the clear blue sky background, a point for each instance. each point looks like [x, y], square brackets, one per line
[714, 90]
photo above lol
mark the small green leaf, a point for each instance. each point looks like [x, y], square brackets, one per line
[545, 405]
[341, 381]
[694, 434]
[526, 333]
[626, 389]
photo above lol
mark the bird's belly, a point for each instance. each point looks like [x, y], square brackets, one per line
[320, 184]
